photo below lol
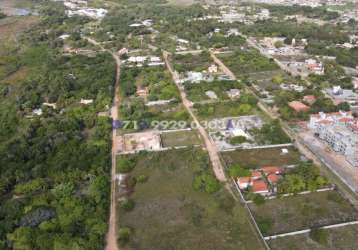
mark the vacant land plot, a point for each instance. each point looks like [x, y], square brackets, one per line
[243, 62]
[337, 238]
[302, 211]
[180, 138]
[170, 214]
[254, 158]
[12, 26]
[192, 62]
[196, 91]
[210, 111]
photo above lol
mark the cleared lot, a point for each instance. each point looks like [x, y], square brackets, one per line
[302, 211]
[337, 238]
[180, 138]
[259, 157]
[170, 214]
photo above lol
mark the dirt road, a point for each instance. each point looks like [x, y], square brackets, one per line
[210, 146]
[111, 237]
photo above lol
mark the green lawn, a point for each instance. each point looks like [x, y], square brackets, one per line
[254, 158]
[337, 238]
[180, 138]
[302, 211]
[170, 214]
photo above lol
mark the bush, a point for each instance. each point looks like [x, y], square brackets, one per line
[142, 178]
[125, 165]
[259, 200]
[319, 235]
[207, 183]
[237, 140]
[264, 225]
[335, 197]
[124, 235]
[127, 205]
[238, 171]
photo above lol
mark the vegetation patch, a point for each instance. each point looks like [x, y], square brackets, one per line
[175, 212]
[299, 212]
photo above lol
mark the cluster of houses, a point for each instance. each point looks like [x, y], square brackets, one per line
[79, 7]
[244, 14]
[310, 3]
[339, 130]
[39, 111]
[206, 75]
[140, 61]
[145, 23]
[261, 181]
[303, 106]
[340, 95]
[276, 46]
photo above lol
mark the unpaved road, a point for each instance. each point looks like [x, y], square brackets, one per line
[211, 148]
[111, 237]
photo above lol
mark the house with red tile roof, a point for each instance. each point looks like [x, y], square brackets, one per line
[309, 99]
[271, 170]
[243, 182]
[255, 174]
[298, 106]
[273, 178]
[260, 187]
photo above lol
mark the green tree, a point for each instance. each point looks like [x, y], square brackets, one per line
[238, 171]
[319, 235]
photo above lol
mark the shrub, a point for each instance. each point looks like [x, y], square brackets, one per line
[124, 234]
[237, 139]
[264, 225]
[127, 205]
[142, 178]
[258, 200]
[319, 235]
[238, 171]
[207, 183]
[125, 165]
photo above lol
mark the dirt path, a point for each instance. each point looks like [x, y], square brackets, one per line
[111, 237]
[211, 148]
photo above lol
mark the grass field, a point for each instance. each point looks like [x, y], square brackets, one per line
[338, 238]
[170, 214]
[180, 138]
[209, 111]
[258, 157]
[302, 211]
[10, 27]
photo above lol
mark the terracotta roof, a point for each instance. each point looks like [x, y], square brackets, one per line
[325, 121]
[271, 169]
[354, 127]
[273, 178]
[255, 173]
[259, 186]
[309, 97]
[346, 119]
[243, 180]
[297, 106]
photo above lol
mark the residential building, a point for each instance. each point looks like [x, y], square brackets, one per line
[298, 106]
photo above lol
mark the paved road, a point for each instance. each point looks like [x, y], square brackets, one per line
[111, 237]
[336, 162]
